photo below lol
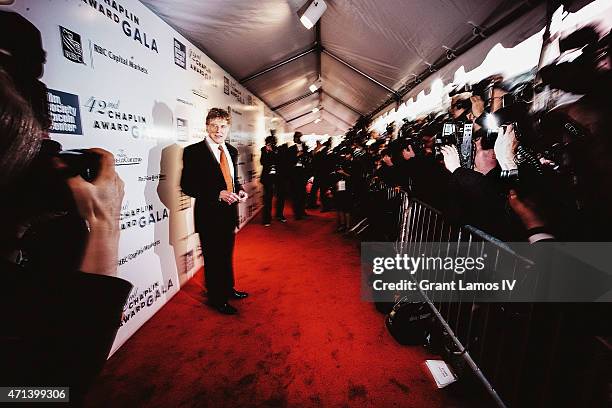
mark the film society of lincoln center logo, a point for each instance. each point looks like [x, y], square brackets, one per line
[180, 54]
[71, 45]
[65, 113]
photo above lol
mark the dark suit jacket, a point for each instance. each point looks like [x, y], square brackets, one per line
[292, 155]
[202, 179]
[267, 160]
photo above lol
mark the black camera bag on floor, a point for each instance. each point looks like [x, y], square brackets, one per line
[409, 322]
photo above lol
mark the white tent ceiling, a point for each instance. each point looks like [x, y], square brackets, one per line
[390, 41]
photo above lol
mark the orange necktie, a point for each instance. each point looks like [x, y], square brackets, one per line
[227, 176]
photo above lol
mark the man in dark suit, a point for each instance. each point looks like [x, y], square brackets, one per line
[272, 181]
[297, 162]
[210, 176]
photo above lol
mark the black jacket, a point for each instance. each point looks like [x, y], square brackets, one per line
[269, 160]
[202, 179]
[57, 326]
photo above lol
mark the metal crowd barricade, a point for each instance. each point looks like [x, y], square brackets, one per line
[467, 324]
[488, 341]
[383, 212]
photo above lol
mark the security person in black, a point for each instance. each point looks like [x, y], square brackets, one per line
[298, 159]
[271, 180]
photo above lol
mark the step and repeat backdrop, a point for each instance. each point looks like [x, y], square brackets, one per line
[120, 78]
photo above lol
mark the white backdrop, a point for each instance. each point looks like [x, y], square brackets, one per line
[121, 79]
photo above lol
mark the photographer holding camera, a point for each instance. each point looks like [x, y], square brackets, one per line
[272, 181]
[59, 319]
[418, 165]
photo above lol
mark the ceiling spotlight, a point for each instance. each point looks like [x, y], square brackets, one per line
[316, 85]
[315, 110]
[317, 120]
[311, 12]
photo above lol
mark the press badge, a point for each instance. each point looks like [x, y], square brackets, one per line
[341, 185]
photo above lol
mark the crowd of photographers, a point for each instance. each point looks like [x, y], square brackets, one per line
[519, 158]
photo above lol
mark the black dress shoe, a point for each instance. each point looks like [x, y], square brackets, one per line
[224, 308]
[236, 294]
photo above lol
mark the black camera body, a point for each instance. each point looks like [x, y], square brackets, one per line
[43, 187]
[80, 162]
[46, 198]
[458, 134]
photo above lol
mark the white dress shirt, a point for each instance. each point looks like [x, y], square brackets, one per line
[215, 149]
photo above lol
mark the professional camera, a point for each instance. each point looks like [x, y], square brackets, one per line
[44, 183]
[408, 129]
[561, 139]
[513, 110]
[589, 73]
[458, 134]
[416, 143]
[43, 193]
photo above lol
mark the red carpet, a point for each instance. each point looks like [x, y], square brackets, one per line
[303, 337]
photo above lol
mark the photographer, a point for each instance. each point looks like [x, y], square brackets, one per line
[419, 166]
[271, 181]
[343, 190]
[477, 196]
[298, 162]
[387, 172]
[59, 319]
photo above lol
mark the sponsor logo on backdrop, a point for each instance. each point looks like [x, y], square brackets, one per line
[141, 216]
[199, 92]
[71, 45]
[184, 102]
[197, 64]
[128, 21]
[152, 177]
[65, 112]
[236, 92]
[188, 261]
[128, 62]
[109, 117]
[133, 255]
[180, 54]
[226, 85]
[123, 159]
[182, 129]
[141, 299]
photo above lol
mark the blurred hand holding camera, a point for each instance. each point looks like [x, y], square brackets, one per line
[99, 203]
[505, 148]
[451, 157]
[408, 153]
